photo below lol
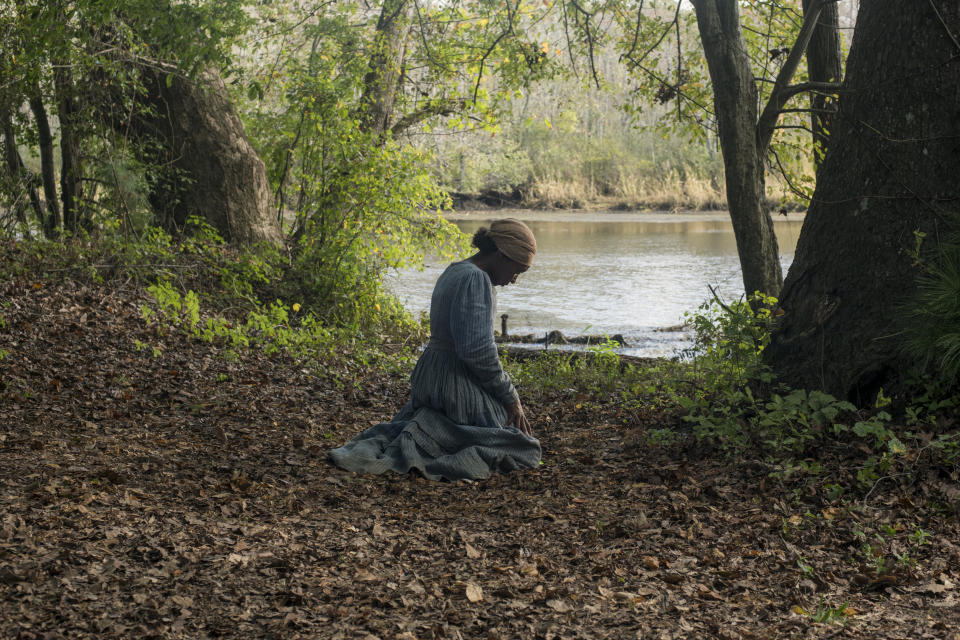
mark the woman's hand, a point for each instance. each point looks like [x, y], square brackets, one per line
[518, 418]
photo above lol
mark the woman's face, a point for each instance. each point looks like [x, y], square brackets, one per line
[505, 271]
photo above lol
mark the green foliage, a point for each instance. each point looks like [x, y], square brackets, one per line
[359, 203]
[597, 373]
[670, 68]
[826, 614]
[734, 402]
[82, 61]
[726, 370]
[232, 297]
[933, 316]
[796, 420]
[297, 326]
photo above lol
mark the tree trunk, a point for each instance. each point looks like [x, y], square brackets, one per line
[14, 163]
[51, 222]
[824, 64]
[382, 81]
[735, 99]
[216, 173]
[891, 171]
[21, 176]
[71, 169]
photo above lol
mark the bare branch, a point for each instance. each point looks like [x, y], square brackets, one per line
[590, 40]
[636, 32]
[794, 126]
[827, 88]
[629, 55]
[808, 110]
[781, 91]
[786, 176]
[679, 62]
[663, 81]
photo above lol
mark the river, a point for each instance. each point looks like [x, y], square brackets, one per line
[627, 273]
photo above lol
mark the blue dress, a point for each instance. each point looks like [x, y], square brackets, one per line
[454, 425]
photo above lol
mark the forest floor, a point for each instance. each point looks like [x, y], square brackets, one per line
[177, 493]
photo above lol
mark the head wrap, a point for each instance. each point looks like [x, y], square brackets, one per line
[514, 240]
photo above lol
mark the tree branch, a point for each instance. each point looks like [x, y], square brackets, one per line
[629, 54]
[586, 28]
[442, 108]
[829, 88]
[781, 91]
[786, 176]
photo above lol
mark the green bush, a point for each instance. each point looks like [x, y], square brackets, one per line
[933, 317]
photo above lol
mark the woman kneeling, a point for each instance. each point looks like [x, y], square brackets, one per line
[464, 419]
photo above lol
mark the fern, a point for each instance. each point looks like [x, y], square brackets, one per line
[933, 326]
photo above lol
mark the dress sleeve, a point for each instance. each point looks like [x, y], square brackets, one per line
[471, 323]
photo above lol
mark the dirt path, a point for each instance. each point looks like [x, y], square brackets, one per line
[182, 494]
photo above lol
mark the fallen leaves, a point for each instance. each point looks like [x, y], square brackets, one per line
[558, 605]
[473, 592]
[186, 495]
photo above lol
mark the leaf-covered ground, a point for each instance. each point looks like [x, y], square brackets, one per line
[180, 494]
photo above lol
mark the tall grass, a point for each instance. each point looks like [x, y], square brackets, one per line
[544, 164]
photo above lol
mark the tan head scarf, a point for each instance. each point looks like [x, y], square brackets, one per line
[514, 239]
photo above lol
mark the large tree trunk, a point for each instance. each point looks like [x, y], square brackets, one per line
[217, 174]
[824, 64]
[891, 171]
[735, 99]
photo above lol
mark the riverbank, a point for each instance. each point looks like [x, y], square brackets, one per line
[155, 485]
[602, 215]
[520, 199]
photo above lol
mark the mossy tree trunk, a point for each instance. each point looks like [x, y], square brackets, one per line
[211, 169]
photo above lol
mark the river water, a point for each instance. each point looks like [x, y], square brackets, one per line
[626, 273]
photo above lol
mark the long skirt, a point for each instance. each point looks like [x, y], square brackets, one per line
[450, 429]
